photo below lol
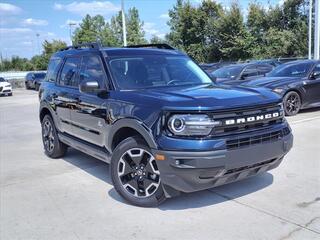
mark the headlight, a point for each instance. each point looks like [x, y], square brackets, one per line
[278, 90]
[191, 124]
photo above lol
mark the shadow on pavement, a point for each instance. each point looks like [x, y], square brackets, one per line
[315, 109]
[200, 199]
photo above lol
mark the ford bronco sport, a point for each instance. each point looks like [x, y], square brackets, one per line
[160, 121]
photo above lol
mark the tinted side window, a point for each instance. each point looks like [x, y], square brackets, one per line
[264, 69]
[53, 69]
[250, 71]
[69, 72]
[92, 70]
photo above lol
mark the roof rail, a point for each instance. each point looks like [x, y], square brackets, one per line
[157, 45]
[94, 45]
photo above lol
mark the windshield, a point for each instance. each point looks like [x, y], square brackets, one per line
[230, 72]
[156, 71]
[291, 70]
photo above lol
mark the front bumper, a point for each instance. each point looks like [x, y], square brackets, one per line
[5, 90]
[189, 171]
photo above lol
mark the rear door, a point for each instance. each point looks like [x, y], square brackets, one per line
[89, 115]
[65, 88]
[312, 87]
[264, 69]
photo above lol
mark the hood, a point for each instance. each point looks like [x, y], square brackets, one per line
[2, 84]
[205, 97]
[272, 82]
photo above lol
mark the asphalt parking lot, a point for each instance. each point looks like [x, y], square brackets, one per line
[73, 198]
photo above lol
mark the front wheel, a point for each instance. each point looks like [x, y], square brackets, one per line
[135, 174]
[291, 103]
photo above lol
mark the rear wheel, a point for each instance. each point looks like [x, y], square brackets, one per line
[27, 86]
[37, 86]
[135, 174]
[291, 103]
[53, 147]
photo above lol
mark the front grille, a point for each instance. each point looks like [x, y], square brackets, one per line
[235, 170]
[250, 117]
[257, 139]
[6, 91]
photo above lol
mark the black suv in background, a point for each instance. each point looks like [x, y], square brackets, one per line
[160, 121]
[34, 79]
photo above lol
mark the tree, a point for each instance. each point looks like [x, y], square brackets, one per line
[232, 35]
[134, 26]
[94, 28]
[135, 32]
[257, 25]
[155, 39]
[192, 29]
[50, 48]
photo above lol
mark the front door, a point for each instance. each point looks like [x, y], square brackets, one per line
[89, 116]
[63, 96]
[312, 87]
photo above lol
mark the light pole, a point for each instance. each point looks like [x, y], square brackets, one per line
[38, 35]
[317, 30]
[310, 31]
[124, 31]
[70, 30]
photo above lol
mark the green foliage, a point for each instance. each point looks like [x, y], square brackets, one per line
[206, 31]
[210, 33]
[155, 39]
[37, 62]
[110, 34]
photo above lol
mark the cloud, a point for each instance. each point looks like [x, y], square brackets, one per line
[9, 9]
[164, 16]
[23, 41]
[149, 28]
[92, 8]
[34, 22]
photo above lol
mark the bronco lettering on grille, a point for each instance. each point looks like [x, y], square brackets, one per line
[252, 119]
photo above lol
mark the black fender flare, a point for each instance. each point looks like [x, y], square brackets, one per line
[135, 125]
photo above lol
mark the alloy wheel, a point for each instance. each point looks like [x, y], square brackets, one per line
[48, 136]
[138, 172]
[292, 104]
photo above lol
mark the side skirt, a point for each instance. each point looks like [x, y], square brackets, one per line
[85, 147]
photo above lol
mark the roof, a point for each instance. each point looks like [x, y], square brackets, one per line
[313, 61]
[149, 49]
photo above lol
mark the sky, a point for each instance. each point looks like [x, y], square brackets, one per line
[25, 24]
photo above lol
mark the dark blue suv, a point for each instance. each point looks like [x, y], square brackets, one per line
[160, 121]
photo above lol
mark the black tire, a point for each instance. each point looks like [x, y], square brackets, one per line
[139, 186]
[291, 103]
[53, 147]
[36, 87]
[10, 94]
[27, 86]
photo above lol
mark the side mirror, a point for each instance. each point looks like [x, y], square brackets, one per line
[315, 75]
[89, 87]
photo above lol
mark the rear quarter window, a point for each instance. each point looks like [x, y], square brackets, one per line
[53, 69]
